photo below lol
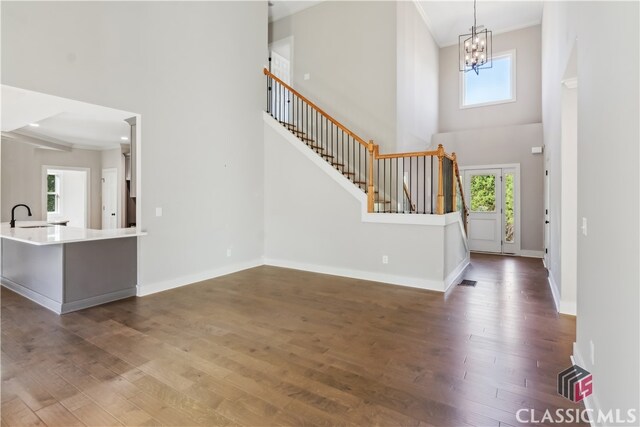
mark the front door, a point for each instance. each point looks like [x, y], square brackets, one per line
[485, 202]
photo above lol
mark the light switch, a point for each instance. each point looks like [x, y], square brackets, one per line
[307, 76]
[158, 211]
[584, 226]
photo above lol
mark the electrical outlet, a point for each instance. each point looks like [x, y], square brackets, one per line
[584, 226]
[385, 259]
[593, 352]
[229, 252]
[158, 211]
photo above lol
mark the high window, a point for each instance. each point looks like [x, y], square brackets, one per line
[494, 85]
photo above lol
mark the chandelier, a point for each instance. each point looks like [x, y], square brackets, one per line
[474, 49]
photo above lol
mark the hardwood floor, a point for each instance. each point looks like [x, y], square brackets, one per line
[271, 346]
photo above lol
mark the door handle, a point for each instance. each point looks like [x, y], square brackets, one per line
[113, 214]
[546, 222]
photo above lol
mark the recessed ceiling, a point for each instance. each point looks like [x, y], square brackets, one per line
[448, 19]
[278, 9]
[63, 121]
[82, 130]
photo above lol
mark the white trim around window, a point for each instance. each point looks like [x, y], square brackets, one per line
[512, 54]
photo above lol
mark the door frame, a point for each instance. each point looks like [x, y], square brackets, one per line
[284, 41]
[516, 202]
[87, 192]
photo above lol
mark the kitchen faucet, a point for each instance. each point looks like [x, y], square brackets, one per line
[13, 219]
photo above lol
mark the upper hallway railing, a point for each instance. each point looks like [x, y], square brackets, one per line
[424, 182]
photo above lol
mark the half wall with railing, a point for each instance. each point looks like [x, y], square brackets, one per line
[424, 182]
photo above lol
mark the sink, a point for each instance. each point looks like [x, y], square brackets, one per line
[35, 226]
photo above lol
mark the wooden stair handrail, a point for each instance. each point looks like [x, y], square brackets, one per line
[465, 208]
[406, 193]
[374, 154]
[320, 110]
[431, 153]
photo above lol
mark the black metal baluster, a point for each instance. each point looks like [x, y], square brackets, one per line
[431, 185]
[424, 184]
[345, 167]
[377, 178]
[397, 189]
[384, 180]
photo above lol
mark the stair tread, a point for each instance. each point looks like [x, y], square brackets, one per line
[315, 147]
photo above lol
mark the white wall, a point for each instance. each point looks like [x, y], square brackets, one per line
[526, 109]
[417, 80]
[348, 48]
[313, 223]
[568, 204]
[193, 72]
[608, 256]
[505, 145]
[22, 178]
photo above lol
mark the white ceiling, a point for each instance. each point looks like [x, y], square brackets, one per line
[63, 121]
[448, 19]
[280, 8]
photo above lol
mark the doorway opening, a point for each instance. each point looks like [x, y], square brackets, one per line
[494, 208]
[65, 195]
[110, 197]
[280, 60]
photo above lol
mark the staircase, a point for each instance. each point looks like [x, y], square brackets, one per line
[426, 182]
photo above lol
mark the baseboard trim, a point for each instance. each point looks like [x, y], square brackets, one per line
[39, 299]
[554, 291]
[456, 273]
[412, 282]
[568, 307]
[563, 307]
[143, 290]
[531, 254]
[68, 307]
[590, 402]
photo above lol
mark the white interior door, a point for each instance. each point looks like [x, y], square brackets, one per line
[281, 68]
[485, 205]
[109, 199]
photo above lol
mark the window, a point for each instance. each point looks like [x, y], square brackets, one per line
[509, 199]
[494, 85]
[483, 193]
[53, 193]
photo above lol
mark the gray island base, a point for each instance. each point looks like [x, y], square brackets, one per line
[66, 277]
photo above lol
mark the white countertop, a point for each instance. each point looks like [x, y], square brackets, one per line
[56, 234]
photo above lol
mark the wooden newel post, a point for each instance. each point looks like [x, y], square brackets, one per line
[440, 200]
[454, 195]
[370, 190]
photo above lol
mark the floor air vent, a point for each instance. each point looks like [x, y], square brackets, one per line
[467, 283]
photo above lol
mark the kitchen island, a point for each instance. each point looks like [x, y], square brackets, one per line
[66, 268]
